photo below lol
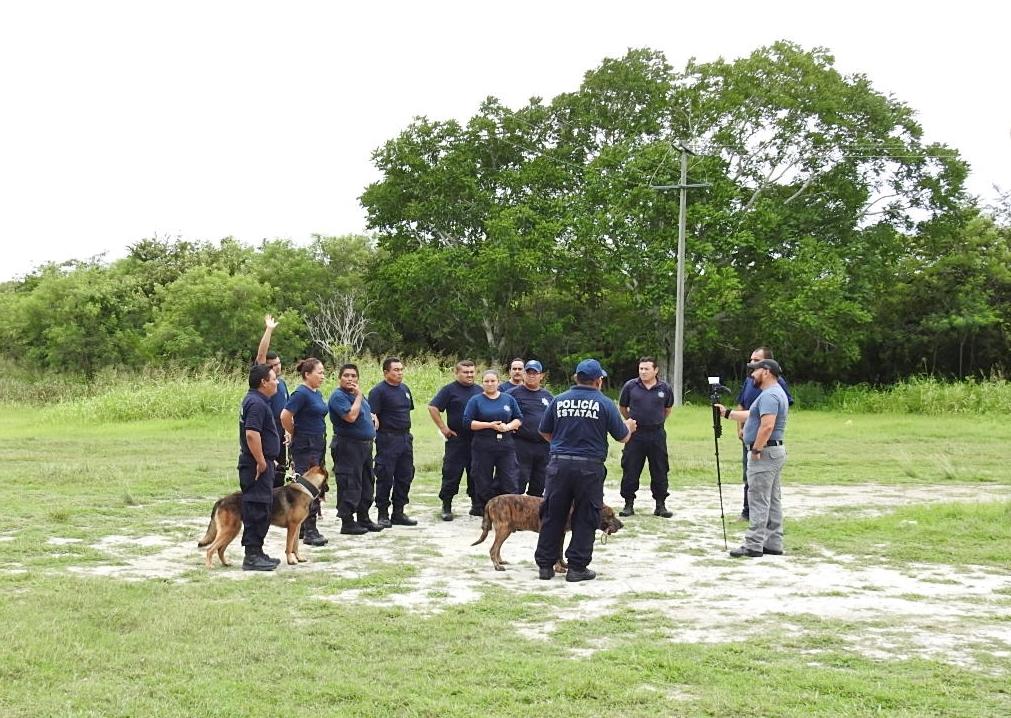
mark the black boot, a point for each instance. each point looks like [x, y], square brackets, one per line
[256, 561]
[384, 517]
[399, 518]
[367, 523]
[475, 510]
[312, 537]
[447, 510]
[351, 527]
[661, 510]
[628, 510]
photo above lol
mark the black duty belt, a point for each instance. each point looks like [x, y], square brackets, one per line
[572, 457]
[774, 442]
[394, 431]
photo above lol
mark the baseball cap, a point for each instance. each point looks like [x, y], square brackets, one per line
[770, 364]
[590, 369]
[535, 365]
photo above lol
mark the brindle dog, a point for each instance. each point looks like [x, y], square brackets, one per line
[289, 510]
[518, 512]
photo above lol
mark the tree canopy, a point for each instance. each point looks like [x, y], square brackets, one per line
[828, 230]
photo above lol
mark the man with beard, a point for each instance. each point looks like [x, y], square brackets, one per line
[764, 429]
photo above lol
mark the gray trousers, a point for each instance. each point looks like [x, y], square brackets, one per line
[765, 500]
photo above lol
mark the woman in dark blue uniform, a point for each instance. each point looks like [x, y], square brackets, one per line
[493, 416]
[303, 420]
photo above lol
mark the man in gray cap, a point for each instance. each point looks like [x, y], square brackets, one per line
[764, 428]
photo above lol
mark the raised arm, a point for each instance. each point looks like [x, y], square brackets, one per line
[270, 324]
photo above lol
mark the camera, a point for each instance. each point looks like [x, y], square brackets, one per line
[715, 389]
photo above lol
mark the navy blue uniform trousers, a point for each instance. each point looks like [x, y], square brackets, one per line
[455, 461]
[394, 469]
[352, 467]
[256, 504]
[493, 466]
[532, 459]
[308, 450]
[645, 445]
[577, 485]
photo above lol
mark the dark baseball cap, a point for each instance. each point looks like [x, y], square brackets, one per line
[770, 364]
[535, 365]
[590, 369]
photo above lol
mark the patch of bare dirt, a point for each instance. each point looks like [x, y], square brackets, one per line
[675, 568]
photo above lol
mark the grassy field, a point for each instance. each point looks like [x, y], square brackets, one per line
[80, 492]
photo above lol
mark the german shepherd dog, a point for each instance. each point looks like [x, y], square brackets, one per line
[289, 510]
[518, 512]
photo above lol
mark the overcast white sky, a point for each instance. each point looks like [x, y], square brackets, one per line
[125, 120]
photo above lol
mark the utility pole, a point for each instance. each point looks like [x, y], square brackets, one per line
[679, 317]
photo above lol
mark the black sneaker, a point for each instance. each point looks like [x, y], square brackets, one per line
[586, 574]
[772, 551]
[258, 563]
[275, 561]
[546, 573]
[744, 551]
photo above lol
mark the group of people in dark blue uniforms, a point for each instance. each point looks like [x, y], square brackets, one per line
[505, 436]
[491, 433]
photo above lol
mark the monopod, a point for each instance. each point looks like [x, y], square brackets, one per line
[715, 389]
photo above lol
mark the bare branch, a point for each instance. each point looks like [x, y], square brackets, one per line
[340, 327]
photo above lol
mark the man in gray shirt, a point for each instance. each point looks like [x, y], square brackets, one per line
[764, 428]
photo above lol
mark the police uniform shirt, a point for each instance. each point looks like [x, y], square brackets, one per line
[279, 401]
[453, 399]
[579, 421]
[507, 387]
[533, 404]
[340, 405]
[771, 401]
[646, 406]
[256, 416]
[393, 406]
[750, 392]
[309, 410]
[482, 408]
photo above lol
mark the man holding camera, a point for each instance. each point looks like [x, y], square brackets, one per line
[764, 429]
[750, 392]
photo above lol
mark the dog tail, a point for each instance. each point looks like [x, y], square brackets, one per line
[212, 527]
[485, 527]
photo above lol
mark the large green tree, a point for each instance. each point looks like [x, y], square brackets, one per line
[817, 181]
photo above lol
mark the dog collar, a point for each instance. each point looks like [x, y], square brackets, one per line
[313, 491]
